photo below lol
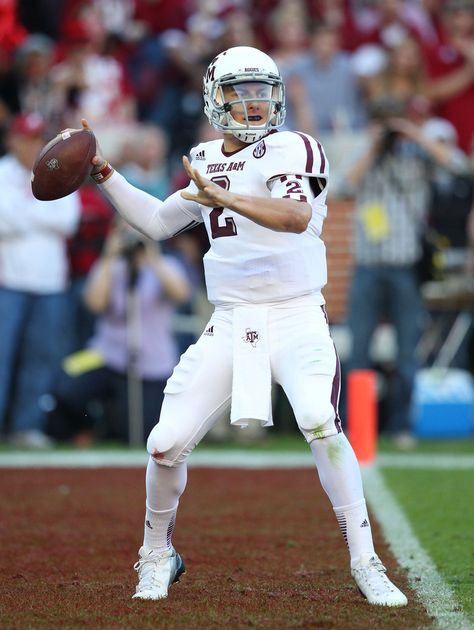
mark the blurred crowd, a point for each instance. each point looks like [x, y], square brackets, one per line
[76, 286]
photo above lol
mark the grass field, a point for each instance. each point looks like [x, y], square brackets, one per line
[440, 507]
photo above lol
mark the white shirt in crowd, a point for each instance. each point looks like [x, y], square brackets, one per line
[33, 233]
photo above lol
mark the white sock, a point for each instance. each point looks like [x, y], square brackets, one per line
[355, 527]
[164, 487]
[340, 478]
[159, 528]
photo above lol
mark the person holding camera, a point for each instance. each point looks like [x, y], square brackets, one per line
[390, 184]
[133, 289]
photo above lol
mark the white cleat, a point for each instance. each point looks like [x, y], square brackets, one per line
[369, 574]
[156, 572]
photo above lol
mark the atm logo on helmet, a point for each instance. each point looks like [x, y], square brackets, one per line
[211, 71]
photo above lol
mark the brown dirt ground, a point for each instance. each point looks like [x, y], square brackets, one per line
[262, 550]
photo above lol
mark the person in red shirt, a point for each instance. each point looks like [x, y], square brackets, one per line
[450, 68]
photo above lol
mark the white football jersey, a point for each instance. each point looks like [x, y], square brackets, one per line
[248, 263]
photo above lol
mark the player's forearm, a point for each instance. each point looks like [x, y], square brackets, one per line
[156, 219]
[136, 206]
[281, 215]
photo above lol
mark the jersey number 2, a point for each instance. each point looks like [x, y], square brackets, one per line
[229, 228]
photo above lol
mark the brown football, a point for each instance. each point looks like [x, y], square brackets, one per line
[63, 164]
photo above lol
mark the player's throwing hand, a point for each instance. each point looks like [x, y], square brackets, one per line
[210, 194]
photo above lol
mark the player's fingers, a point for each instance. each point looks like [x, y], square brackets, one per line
[201, 181]
[187, 167]
[189, 170]
[193, 173]
[188, 196]
[85, 124]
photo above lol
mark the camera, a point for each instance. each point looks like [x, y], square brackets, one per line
[387, 141]
[131, 244]
[381, 111]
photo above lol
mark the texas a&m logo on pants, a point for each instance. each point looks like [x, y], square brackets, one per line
[251, 336]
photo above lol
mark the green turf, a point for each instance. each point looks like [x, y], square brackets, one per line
[465, 445]
[440, 507]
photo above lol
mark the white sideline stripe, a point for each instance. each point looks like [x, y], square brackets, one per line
[432, 590]
[138, 459]
[218, 459]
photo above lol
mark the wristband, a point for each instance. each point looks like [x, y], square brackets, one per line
[103, 174]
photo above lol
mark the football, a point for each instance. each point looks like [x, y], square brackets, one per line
[63, 164]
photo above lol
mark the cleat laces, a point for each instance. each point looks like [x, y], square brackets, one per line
[374, 575]
[153, 573]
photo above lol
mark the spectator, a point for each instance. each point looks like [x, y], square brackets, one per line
[144, 160]
[430, 31]
[388, 22]
[133, 289]
[84, 247]
[28, 87]
[289, 34]
[391, 186]
[403, 76]
[166, 73]
[451, 201]
[344, 16]
[41, 16]
[289, 41]
[238, 28]
[12, 33]
[322, 91]
[33, 279]
[452, 196]
[450, 67]
[91, 80]
[170, 14]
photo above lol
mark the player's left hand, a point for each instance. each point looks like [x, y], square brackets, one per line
[98, 160]
[210, 194]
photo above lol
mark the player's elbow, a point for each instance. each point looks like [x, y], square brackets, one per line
[298, 220]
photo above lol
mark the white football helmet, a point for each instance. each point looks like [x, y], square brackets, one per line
[237, 67]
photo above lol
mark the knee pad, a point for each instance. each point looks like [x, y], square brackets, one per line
[319, 423]
[160, 443]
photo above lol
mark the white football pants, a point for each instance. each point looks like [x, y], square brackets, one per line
[303, 361]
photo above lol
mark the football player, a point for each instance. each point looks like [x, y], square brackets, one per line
[261, 194]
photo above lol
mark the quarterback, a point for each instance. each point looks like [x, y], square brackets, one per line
[261, 194]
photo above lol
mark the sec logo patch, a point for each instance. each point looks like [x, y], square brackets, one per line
[260, 150]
